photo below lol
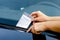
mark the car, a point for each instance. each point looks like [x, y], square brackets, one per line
[11, 11]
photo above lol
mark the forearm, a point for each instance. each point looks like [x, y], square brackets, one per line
[53, 25]
[54, 18]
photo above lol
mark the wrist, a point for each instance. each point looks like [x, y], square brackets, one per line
[47, 26]
[49, 18]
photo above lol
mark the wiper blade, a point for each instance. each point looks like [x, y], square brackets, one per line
[11, 27]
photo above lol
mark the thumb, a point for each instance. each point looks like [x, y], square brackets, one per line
[35, 19]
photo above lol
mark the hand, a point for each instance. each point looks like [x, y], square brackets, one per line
[39, 16]
[37, 28]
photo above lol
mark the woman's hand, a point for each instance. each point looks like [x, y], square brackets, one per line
[37, 28]
[44, 23]
[39, 16]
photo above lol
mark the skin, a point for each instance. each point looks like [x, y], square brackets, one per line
[44, 23]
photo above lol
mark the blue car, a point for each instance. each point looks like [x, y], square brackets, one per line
[11, 11]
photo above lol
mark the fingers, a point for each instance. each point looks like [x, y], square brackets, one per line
[32, 29]
[37, 13]
[35, 19]
[29, 29]
[34, 14]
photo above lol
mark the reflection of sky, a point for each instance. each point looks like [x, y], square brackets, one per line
[16, 4]
[10, 10]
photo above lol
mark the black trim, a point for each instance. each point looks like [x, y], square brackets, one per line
[11, 27]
